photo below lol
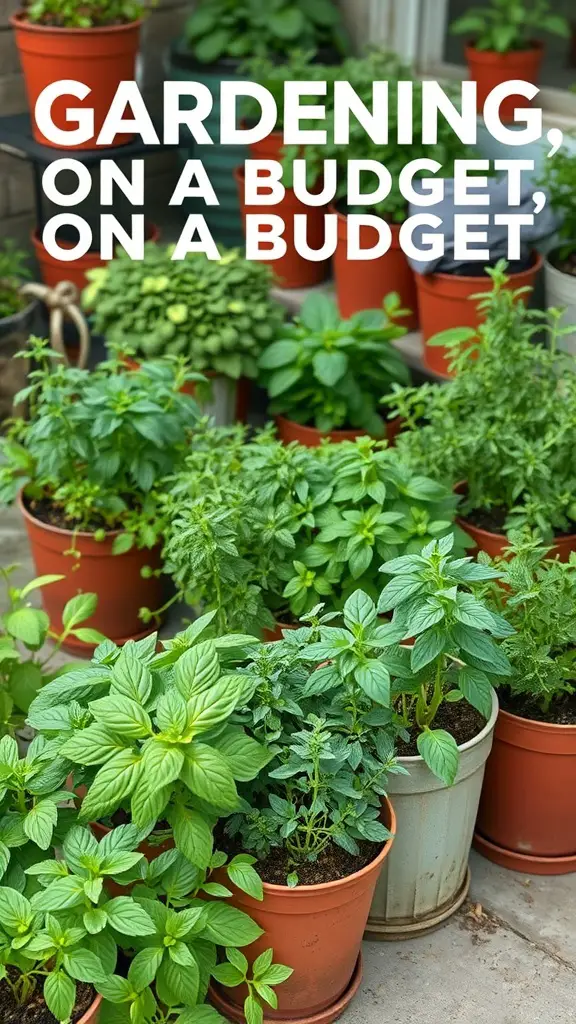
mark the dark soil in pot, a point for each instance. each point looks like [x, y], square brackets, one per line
[561, 712]
[564, 261]
[494, 520]
[460, 719]
[45, 511]
[36, 1011]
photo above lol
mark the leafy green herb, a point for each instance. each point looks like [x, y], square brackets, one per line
[13, 272]
[331, 373]
[508, 25]
[92, 14]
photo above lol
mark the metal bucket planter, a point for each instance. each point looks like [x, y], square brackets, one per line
[224, 221]
[561, 293]
[14, 333]
[426, 877]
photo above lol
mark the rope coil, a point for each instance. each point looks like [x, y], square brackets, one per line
[62, 303]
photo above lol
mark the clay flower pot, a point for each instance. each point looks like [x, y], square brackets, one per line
[317, 930]
[494, 544]
[488, 68]
[425, 880]
[310, 437]
[275, 633]
[52, 271]
[291, 270]
[527, 816]
[116, 579]
[92, 1013]
[100, 58]
[364, 284]
[444, 301]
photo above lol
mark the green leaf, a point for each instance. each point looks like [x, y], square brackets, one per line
[93, 745]
[330, 367]
[228, 975]
[78, 609]
[245, 756]
[192, 835]
[122, 543]
[144, 967]
[374, 678]
[201, 1015]
[29, 625]
[25, 680]
[246, 878]
[40, 581]
[15, 910]
[115, 989]
[112, 784]
[282, 380]
[128, 917]
[440, 752]
[40, 822]
[161, 765]
[279, 353]
[176, 986]
[213, 706]
[83, 965]
[88, 636]
[130, 677]
[287, 23]
[427, 647]
[227, 926]
[359, 610]
[60, 995]
[276, 974]
[207, 774]
[483, 648]
[198, 669]
[253, 1012]
[477, 690]
[61, 894]
[120, 714]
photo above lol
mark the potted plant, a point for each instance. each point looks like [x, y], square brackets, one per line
[291, 270]
[24, 628]
[501, 431]
[325, 375]
[526, 817]
[317, 819]
[86, 469]
[505, 46]
[16, 312]
[218, 314]
[150, 738]
[93, 43]
[431, 666]
[261, 532]
[560, 262]
[219, 37]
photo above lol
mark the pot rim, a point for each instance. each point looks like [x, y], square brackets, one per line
[460, 488]
[354, 430]
[537, 46]
[58, 530]
[537, 725]
[92, 1010]
[490, 724]
[551, 266]
[7, 321]
[307, 890]
[535, 268]
[19, 20]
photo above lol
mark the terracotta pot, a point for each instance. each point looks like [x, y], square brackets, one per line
[444, 302]
[52, 271]
[291, 270]
[270, 148]
[100, 58]
[489, 69]
[92, 1013]
[364, 284]
[310, 437]
[270, 634]
[494, 544]
[317, 930]
[116, 579]
[230, 400]
[527, 816]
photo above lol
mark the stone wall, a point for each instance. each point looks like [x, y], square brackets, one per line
[163, 25]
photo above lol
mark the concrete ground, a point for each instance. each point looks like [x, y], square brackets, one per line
[508, 957]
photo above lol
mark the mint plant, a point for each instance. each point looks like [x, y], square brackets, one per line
[13, 273]
[217, 314]
[331, 373]
[97, 444]
[24, 628]
[507, 25]
[538, 598]
[234, 29]
[504, 423]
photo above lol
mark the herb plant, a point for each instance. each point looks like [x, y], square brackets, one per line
[539, 601]
[505, 423]
[326, 783]
[262, 530]
[98, 443]
[25, 627]
[236, 29]
[93, 14]
[331, 373]
[218, 315]
[559, 179]
[507, 25]
[13, 271]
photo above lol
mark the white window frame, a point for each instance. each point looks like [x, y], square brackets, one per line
[416, 30]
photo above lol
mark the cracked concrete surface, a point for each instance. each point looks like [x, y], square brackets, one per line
[517, 966]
